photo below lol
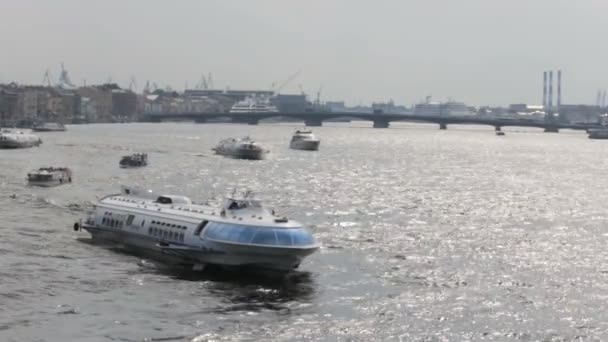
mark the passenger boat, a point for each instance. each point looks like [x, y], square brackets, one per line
[254, 104]
[241, 233]
[598, 133]
[49, 176]
[18, 139]
[48, 127]
[134, 160]
[304, 140]
[242, 148]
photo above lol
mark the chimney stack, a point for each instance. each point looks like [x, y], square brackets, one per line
[559, 90]
[550, 91]
[545, 90]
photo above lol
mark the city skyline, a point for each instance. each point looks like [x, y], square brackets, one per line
[475, 51]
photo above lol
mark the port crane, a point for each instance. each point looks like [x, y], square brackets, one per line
[285, 83]
[133, 84]
[205, 82]
[64, 78]
[48, 79]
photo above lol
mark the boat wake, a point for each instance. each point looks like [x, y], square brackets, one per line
[41, 202]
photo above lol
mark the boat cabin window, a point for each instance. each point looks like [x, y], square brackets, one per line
[200, 227]
[130, 219]
[265, 236]
[164, 200]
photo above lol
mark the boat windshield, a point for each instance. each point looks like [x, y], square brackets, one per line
[265, 236]
[40, 176]
[235, 204]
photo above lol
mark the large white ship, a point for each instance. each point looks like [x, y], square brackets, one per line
[240, 233]
[254, 104]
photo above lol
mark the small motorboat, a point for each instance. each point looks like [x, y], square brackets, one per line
[134, 160]
[49, 176]
[304, 140]
[241, 148]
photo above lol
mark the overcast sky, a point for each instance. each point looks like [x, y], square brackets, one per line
[476, 51]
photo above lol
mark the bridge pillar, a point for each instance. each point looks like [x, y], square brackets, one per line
[313, 122]
[245, 120]
[443, 125]
[551, 129]
[151, 118]
[381, 124]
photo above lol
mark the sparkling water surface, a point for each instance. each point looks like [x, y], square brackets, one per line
[427, 235]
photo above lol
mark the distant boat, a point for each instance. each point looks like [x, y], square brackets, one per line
[254, 105]
[48, 127]
[241, 148]
[134, 160]
[500, 133]
[598, 133]
[18, 139]
[304, 140]
[49, 176]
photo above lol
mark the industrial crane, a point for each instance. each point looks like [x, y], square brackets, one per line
[133, 84]
[205, 83]
[318, 101]
[286, 82]
[47, 79]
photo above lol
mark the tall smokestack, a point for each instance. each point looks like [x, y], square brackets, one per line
[550, 91]
[559, 90]
[545, 90]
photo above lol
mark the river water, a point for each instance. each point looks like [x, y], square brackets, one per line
[427, 235]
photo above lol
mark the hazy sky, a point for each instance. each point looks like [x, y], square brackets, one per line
[477, 51]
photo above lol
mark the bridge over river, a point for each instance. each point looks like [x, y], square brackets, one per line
[380, 120]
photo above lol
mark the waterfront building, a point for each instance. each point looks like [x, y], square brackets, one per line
[124, 105]
[101, 98]
[434, 108]
[291, 103]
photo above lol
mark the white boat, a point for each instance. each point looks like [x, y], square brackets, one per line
[241, 233]
[134, 160]
[304, 140]
[18, 139]
[598, 133]
[49, 176]
[241, 148]
[48, 127]
[254, 104]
